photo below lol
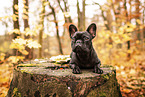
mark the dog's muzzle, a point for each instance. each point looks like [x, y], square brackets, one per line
[79, 43]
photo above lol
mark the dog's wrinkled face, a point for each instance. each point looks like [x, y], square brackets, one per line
[82, 40]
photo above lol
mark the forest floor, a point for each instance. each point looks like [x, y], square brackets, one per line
[131, 76]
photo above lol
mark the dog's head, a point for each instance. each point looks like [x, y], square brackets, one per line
[82, 40]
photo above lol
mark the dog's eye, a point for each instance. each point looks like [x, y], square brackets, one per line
[86, 38]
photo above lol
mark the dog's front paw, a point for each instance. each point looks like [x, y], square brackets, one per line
[98, 70]
[75, 69]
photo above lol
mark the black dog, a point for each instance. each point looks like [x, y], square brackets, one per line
[83, 54]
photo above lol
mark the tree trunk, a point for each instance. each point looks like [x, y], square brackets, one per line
[116, 13]
[68, 19]
[81, 15]
[42, 28]
[138, 33]
[103, 15]
[26, 25]
[143, 21]
[42, 81]
[143, 32]
[128, 20]
[78, 11]
[105, 19]
[57, 31]
[16, 22]
[84, 16]
[65, 9]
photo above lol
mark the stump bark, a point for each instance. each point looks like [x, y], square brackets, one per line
[40, 80]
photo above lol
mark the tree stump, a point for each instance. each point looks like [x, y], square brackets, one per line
[44, 80]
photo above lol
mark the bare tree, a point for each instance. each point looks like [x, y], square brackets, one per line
[56, 26]
[42, 28]
[65, 9]
[105, 19]
[81, 15]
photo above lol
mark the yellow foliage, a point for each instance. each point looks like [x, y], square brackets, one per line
[2, 56]
[30, 32]
[141, 26]
[126, 37]
[14, 17]
[15, 59]
[132, 71]
[23, 51]
[46, 3]
[16, 31]
[66, 14]
[17, 46]
[44, 35]
[20, 44]
[19, 41]
[16, 6]
[137, 41]
[113, 23]
[105, 22]
[25, 6]
[109, 46]
[129, 29]
[41, 9]
[25, 17]
[138, 21]
[24, 10]
[33, 44]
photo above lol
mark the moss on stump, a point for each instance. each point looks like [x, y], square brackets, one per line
[41, 81]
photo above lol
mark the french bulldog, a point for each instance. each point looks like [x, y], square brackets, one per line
[83, 55]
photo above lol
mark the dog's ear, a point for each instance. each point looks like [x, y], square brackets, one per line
[92, 29]
[72, 30]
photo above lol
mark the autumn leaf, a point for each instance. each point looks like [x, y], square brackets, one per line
[126, 90]
[138, 21]
[16, 31]
[46, 3]
[30, 32]
[25, 17]
[132, 71]
[129, 29]
[15, 59]
[33, 44]
[17, 46]
[14, 17]
[23, 51]
[20, 41]
[16, 6]
[24, 10]
[2, 56]
[66, 14]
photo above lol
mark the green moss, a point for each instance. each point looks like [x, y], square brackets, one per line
[29, 65]
[106, 66]
[26, 71]
[16, 93]
[106, 77]
[102, 94]
[108, 89]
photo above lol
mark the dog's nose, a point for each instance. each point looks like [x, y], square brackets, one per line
[78, 41]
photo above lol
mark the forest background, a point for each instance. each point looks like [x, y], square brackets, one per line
[31, 29]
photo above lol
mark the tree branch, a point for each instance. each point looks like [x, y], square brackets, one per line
[102, 12]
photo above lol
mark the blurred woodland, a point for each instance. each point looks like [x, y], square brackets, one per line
[33, 29]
